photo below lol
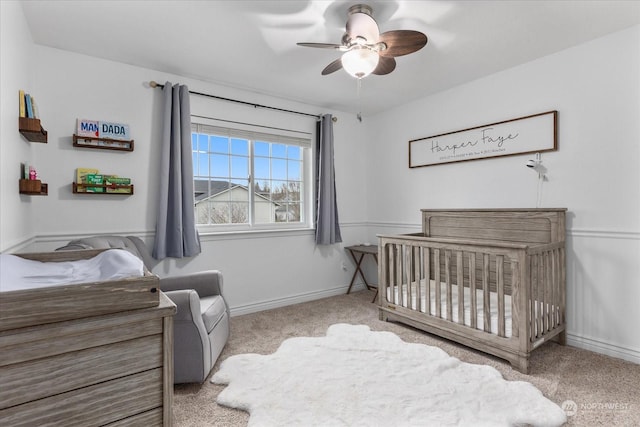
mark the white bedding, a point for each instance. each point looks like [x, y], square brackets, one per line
[17, 273]
[493, 301]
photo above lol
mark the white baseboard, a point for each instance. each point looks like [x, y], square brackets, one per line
[607, 349]
[295, 299]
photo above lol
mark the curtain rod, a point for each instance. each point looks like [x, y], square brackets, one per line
[154, 84]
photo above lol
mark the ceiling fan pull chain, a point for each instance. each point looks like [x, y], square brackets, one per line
[359, 90]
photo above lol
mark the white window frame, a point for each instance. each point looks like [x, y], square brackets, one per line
[248, 132]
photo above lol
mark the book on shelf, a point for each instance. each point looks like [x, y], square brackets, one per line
[27, 99]
[116, 184]
[81, 178]
[21, 104]
[94, 178]
[36, 113]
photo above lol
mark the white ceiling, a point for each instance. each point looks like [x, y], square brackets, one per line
[252, 44]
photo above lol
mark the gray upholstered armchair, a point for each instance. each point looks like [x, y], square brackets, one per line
[201, 324]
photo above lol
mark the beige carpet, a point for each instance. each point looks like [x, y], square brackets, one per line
[606, 391]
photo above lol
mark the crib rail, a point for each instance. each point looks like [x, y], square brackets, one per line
[510, 290]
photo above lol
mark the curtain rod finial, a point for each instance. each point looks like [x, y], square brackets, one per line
[334, 119]
[153, 84]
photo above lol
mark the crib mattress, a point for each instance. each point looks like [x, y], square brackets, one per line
[493, 304]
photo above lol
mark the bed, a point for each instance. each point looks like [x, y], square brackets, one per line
[490, 279]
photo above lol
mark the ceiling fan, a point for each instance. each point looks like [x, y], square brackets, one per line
[366, 51]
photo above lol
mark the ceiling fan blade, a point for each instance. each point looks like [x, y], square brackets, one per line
[323, 45]
[402, 42]
[334, 66]
[385, 66]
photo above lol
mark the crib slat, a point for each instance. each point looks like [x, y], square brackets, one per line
[552, 300]
[563, 280]
[406, 270]
[460, 283]
[416, 275]
[500, 291]
[556, 286]
[391, 272]
[447, 275]
[534, 297]
[547, 288]
[485, 292]
[398, 263]
[427, 279]
[533, 274]
[472, 288]
[540, 295]
[383, 282]
[516, 285]
[436, 266]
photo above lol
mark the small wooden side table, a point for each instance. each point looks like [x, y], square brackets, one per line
[358, 253]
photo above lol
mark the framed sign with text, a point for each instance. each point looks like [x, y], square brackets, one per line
[531, 134]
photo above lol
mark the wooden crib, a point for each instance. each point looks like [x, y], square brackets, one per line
[493, 280]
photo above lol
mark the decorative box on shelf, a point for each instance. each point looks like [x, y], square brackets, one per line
[91, 188]
[32, 130]
[102, 143]
[33, 187]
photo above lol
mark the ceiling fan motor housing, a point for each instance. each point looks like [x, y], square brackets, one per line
[360, 8]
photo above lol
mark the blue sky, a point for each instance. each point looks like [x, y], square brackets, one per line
[223, 157]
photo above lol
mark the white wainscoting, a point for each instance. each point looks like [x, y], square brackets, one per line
[603, 277]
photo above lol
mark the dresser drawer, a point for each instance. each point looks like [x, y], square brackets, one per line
[23, 382]
[96, 405]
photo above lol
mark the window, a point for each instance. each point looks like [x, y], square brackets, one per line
[247, 179]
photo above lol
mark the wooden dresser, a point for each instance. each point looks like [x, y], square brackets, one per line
[112, 369]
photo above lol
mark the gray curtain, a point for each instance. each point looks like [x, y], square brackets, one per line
[176, 234]
[327, 225]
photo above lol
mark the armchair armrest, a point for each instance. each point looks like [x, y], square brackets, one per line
[205, 283]
[188, 306]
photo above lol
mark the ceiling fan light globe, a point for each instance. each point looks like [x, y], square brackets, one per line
[360, 62]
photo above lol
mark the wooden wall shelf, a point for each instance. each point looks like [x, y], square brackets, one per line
[33, 187]
[102, 143]
[32, 130]
[109, 189]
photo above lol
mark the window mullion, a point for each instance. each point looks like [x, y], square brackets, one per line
[252, 219]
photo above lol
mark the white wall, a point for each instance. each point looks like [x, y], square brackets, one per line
[16, 224]
[596, 89]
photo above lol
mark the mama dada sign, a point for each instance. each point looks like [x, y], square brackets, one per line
[99, 129]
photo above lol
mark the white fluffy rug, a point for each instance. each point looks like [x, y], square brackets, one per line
[358, 377]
